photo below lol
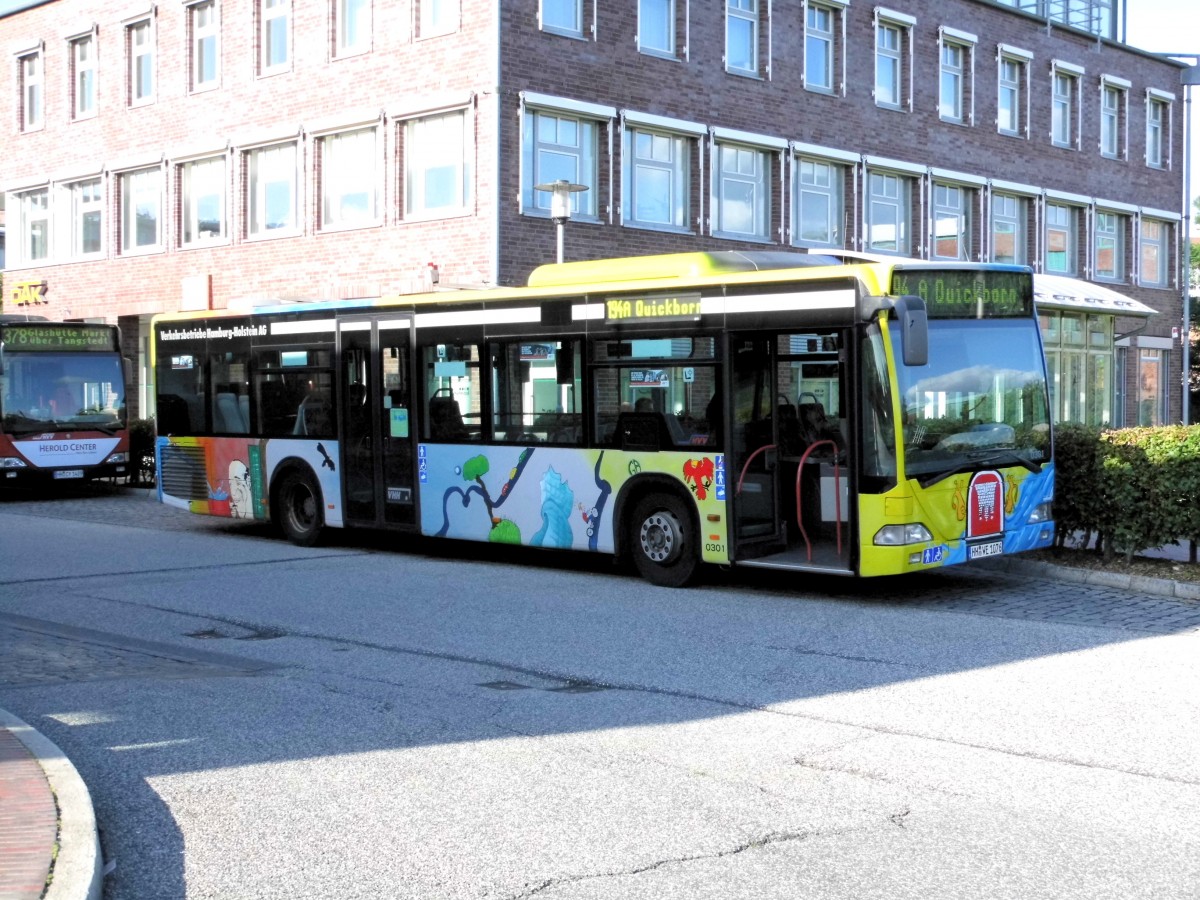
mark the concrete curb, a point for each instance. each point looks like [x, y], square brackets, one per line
[1159, 587]
[78, 870]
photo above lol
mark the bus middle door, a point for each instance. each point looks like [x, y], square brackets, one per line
[378, 433]
[754, 473]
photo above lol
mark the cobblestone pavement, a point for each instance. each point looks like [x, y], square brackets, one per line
[1004, 590]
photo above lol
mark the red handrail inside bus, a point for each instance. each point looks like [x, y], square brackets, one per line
[837, 496]
[750, 459]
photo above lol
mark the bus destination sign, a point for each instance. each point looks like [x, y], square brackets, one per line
[653, 308]
[34, 338]
[972, 294]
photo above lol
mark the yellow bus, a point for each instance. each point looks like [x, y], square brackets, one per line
[827, 413]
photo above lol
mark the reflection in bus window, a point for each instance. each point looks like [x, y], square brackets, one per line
[536, 392]
[879, 435]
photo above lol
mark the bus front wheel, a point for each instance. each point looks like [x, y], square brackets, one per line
[664, 545]
[299, 508]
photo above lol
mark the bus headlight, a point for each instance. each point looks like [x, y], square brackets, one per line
[118, 458]
[1041, 513]
[898, 535]
[11, 462]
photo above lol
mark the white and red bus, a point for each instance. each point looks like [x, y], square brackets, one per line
[62, 402]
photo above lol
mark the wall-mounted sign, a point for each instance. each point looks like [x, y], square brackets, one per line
[29, 293]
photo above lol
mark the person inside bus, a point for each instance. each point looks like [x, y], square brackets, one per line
[63, 404]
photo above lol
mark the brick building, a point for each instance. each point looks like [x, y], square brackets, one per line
[212, 154]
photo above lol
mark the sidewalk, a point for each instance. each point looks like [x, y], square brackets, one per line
[33, 774]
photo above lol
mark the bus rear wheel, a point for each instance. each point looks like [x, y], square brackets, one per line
[299, 508]
[664, 547]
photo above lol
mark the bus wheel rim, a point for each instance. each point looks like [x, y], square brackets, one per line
[660, 537]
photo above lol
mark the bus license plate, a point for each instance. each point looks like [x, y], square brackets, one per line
[991, 548]
[69, 473]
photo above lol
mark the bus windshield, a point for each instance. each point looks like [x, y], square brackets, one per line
[54, 391]
[980, 402]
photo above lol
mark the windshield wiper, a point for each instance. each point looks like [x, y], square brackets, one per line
[979, 459]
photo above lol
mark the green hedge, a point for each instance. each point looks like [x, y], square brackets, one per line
[142, 434]
[1132, 488]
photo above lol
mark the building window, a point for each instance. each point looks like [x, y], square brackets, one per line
[656, 185]
[889, 214]
[437, 17]
[562, 17]
[1152, 386]
[955, 81]
[1154, 253]
[818, 204]
[205, 28]
[741, 36]
[437, 181]
[893, 41]
[87, 218]
[349, 179]
[656, 27]
[1010, 117]
[1079, 364]
[1064, 106]
[1009, 242]
[559, 147]
[83, 76]
[951, 222]
[140, 52]
[352, 27]
[141, 210]
[34, 226]
[741, 191]
[1114, 102]
[271, 196]
[1060, 239]
[1110, 246]
[1156, 121]
[274, 39]
[32, 91]
[820, 43]
[202, 190]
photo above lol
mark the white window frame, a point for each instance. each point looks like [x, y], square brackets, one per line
[1070, 229]
[746, 14]
[899, 199]
[82, 206]
[357, 15]
[272, 158]
[1164, 101]
[425, 149]
[350, 166]
[84, 75]
[31, 75]
[952, 201]
[584, 155]
[758, 181]
[1066, 108]
[436, 18]
[681, 141]
[1109, 228]
[826, 38]
[202, 34]
[190, 235]
[1161, 277]
[956, 77]
[32, 209]
[831, 191]
[886, 22]
[664, 9]
[137, 187]
[270, 14]
[1018, 219]
[563, 17]
[139, 94]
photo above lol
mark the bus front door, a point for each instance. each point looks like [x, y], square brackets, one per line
[753, 450]
[377, 431]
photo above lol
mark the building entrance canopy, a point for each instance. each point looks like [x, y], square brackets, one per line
[1060, 292]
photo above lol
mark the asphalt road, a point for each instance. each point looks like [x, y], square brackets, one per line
[258, 720]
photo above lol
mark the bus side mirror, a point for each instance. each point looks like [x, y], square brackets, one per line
[914, 330]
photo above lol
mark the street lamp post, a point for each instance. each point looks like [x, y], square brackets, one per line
[1189, 77]
[560, 205]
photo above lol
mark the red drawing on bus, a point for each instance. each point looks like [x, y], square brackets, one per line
[985, 505]
[698, 475]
